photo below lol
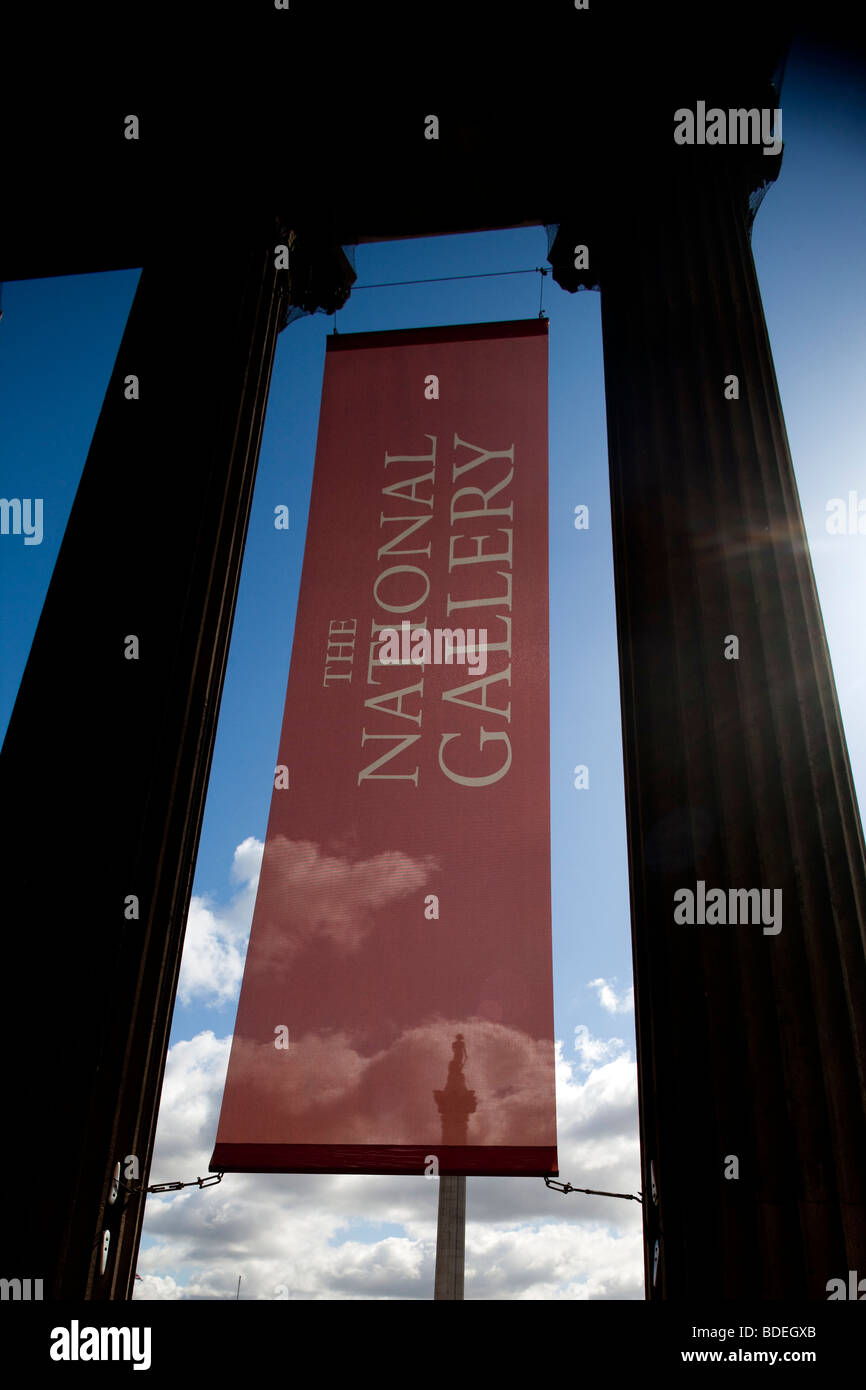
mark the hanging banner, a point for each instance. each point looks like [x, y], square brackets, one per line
[396, 1012]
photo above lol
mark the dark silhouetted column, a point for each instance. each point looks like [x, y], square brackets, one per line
[751, 1038]
[105, 765]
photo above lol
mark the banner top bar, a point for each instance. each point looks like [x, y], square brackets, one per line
[445, 333]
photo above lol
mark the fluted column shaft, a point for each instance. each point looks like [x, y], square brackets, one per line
[751, 1044]
[106, 760]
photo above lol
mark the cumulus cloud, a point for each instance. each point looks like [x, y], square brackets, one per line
[594, 1051]
[215, 943]
[350, 1237]
[328, 1236]
[610, 1000]
[307, 893]
[324, 1091]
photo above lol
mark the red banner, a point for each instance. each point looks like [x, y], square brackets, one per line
[396, 1013]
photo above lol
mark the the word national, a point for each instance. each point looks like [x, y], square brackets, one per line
[415, 646]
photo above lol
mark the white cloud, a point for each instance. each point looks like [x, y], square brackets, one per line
[594, 1051]
[610, 1000]
[307, 893]
[509, 1078]
[334, 896]
[299, 1232]
[345, 1237]
[215, 943]
[246, 863]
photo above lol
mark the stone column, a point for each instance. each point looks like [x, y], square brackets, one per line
[106, 761]
[450, 1237]
[751, 1038]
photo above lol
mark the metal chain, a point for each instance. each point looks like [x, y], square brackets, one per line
[592, 1191]
[213, 1178]
[210, 1181]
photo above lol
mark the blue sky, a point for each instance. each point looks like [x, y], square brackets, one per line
[333, 1237]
